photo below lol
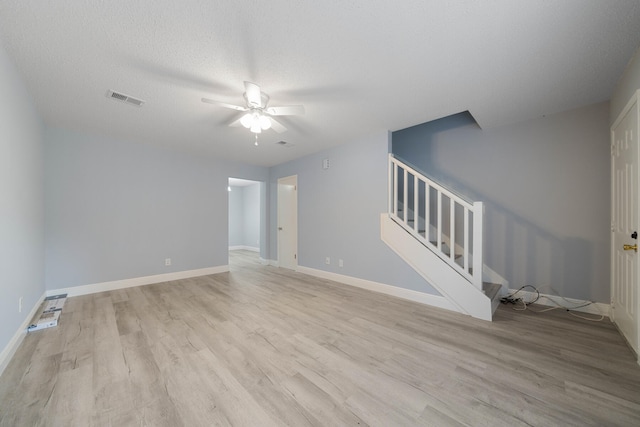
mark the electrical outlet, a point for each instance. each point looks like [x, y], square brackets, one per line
[20, 305]
[167, 261]
[327, 260]
[340, 263]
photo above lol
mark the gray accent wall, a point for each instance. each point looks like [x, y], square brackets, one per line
[546, 185]
[116, 209]
[21, 202]
[339, 213]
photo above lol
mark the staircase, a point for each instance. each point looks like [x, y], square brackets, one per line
[440, 235]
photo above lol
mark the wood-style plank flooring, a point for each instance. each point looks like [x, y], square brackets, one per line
[262, 346]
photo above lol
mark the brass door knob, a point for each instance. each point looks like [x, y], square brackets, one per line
[630, 247]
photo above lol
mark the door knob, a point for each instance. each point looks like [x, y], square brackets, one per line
[630, 247]
[280, 228]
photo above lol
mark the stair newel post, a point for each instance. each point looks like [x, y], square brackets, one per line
[439, 227]
[427, 211]
[452, 229]
[393, 179]
[466, 250]
[416, 210]
[405, 195]
[478, 260]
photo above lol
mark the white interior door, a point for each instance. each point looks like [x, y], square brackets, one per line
[624, 217]
[288, 222]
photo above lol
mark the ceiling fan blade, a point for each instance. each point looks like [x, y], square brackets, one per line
[252, 92]
[286, 110]
[224, 104]
[277, 126]
[236, 123]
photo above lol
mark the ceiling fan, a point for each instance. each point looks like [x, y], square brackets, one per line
[258, 115]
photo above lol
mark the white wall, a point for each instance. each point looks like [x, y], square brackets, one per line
[116, 209]
[627, 85]
[546, 186]
[21, 202]
[339, 213]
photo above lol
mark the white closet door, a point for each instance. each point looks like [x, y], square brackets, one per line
[625, 303]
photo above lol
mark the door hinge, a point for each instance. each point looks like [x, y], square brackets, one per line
[295, 256]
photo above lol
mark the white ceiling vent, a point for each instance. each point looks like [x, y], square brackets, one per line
[285, 144]
[124, 98]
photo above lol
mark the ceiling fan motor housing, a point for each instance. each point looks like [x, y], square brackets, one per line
[264, 100]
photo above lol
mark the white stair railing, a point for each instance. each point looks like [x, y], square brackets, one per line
[440, 219]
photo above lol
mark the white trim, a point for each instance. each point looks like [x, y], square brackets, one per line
[491, 276]
[625, 110]
[460, 293]
[244, 248]
[408, 294]
[136, 281]
[14, 343]
[545, 299]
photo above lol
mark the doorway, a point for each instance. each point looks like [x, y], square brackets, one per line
[246, 217]
[288, 222]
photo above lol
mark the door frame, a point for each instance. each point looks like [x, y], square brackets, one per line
[288, 181]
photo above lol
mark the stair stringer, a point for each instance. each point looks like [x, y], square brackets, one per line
[463, 295]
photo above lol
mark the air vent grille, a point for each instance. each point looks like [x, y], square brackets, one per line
[124, 98]
[285, 144]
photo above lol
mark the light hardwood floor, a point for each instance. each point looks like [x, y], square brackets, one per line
[262, 346]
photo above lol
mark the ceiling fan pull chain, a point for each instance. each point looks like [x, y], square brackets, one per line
[256, 143]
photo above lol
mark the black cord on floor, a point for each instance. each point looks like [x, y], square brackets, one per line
[519, 301]
[511, 299]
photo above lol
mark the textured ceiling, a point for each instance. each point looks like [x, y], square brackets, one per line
[357, 66]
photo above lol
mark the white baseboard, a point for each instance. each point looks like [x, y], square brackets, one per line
[14, 343]
[408, 294]
[556, 301]
[244, 248]
[137, 281]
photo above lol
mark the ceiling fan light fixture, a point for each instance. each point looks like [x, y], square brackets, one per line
[247, 120]
[257, 116]
[255, 127]
[265, 123]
